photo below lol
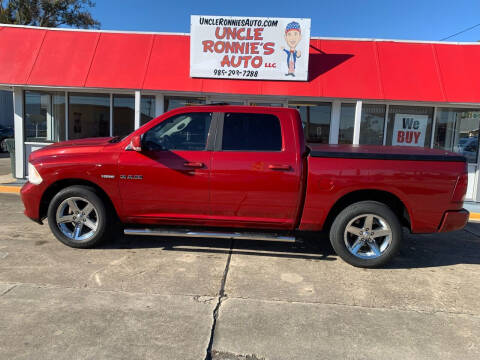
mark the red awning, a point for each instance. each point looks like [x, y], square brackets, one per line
[385, 70]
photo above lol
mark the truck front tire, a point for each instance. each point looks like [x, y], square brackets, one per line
[78, 217]
[366, 234]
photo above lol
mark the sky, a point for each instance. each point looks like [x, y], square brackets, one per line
[407, 19]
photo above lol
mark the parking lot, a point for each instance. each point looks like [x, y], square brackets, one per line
[158, 298]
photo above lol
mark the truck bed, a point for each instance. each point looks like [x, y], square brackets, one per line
[377, 152]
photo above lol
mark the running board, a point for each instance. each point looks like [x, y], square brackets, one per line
[210, 234]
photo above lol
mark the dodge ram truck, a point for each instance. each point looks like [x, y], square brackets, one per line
[242, 172]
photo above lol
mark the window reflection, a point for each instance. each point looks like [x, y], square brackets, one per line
[180, 132]
[123, 114]
[457, 130]
[347, 121]
[173, 102]
[315, 119]
[372, 124]
[89, 115]
[147, 109]
[44, 116]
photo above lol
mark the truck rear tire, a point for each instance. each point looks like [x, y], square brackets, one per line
[78, 217]
[366, 234]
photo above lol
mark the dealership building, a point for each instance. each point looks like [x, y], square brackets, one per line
[71, 84]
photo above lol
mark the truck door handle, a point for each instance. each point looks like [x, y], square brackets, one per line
[193, 164]
[279, 167]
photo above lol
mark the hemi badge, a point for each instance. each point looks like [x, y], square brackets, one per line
[108, 176]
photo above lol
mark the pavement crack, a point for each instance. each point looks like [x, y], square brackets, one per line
[220, 298]
[8, 290]
[380, 308]
[205, 298]
[224, 355]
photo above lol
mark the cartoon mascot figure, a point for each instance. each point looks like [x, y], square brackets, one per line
[293, 35]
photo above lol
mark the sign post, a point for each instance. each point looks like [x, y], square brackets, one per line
[249, 48]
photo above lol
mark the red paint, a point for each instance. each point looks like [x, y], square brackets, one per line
[385, 70]
[454, 220]
[409, 71]
[424, 187]
[353, 60]
[120, 61]
[408, 137]
[458, 66]
[172, 186]
[78, 48]
[273, 190]
[19, 50]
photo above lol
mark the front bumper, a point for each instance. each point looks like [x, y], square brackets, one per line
[454, 220]
[31, 197]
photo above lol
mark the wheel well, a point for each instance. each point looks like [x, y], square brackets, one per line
[54, 188]
[389, 199]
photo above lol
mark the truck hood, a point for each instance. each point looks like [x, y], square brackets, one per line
[88, 145]
[102, 141]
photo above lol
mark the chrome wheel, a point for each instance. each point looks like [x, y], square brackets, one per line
[77, 219]
[367, 236]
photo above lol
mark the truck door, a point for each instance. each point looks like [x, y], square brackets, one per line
[256, 171]
[168, 181]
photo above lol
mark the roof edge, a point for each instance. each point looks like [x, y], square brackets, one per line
[94, 30]
[188, 34]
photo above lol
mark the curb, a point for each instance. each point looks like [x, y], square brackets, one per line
[9, 189]
[474, 217]
[12, 189]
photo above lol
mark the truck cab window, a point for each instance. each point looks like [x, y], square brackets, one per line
[181, 132]
[251, 132]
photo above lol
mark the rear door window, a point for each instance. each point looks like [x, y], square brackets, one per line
[251, 132]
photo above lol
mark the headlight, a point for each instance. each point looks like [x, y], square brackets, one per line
[33, 175]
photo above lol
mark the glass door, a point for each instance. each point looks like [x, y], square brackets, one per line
[457, 130]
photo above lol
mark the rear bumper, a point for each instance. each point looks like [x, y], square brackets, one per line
[454, 220]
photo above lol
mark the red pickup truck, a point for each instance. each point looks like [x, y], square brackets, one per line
[244, 172]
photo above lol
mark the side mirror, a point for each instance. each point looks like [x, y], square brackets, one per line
[136, 143]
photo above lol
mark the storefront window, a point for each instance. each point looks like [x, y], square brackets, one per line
[44, 116]
[6, 109]
[173, 102]
[372, 124]
[147, 109]
[347, 121]
[457, 130]
[255, 103]
[409, 125]
[88, 115]
[315, 119]
[123, 114]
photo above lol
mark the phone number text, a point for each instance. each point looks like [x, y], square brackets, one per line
[235, 73]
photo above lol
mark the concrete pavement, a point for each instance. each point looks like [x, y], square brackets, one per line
[154, 298]
[5, 167]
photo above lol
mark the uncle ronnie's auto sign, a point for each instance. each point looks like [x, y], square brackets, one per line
[249, 48]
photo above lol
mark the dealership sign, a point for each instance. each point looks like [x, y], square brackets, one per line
[409, 130]
[249, 48]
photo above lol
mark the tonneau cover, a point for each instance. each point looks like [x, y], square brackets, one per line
[376, 152]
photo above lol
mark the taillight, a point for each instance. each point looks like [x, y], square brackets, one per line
[460, 188]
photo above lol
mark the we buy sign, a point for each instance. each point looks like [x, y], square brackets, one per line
[409, 130]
